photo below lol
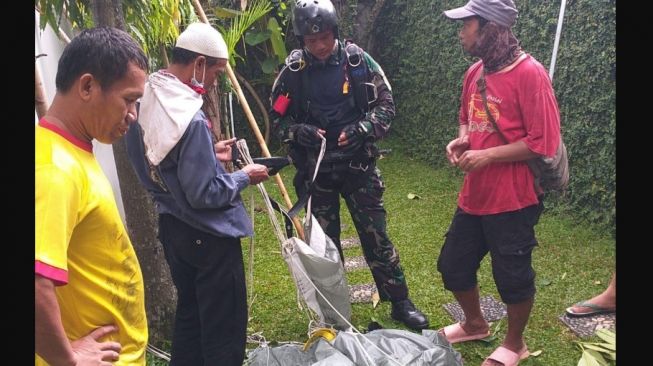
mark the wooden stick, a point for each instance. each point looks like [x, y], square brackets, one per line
[252, 124]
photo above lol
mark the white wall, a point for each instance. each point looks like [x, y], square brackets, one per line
[47, 42]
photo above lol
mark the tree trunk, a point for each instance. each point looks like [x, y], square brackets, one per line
[142, 224]
[366, 13]
[105, 13]
[141, 217]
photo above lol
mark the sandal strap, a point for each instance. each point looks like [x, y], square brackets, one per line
[587, 304]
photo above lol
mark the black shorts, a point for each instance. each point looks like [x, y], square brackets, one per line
[510, 239]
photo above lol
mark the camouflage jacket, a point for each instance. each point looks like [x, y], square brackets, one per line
[380, 113]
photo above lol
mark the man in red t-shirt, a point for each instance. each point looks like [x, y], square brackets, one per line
[498, 205]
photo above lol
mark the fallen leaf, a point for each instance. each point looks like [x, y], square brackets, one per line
[488, 339]
[536, 353]
[544, 282]
[597, 282]
[413, 196]
[563, 276]
[375, 299]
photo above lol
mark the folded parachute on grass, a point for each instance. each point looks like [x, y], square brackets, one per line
[319, 275]
[381, 347]
[315, 265]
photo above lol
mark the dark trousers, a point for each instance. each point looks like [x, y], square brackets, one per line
[509, 237]
[211, 320]
[363, 194]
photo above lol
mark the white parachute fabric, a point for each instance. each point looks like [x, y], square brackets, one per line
[320, 263]
[382, 347]
[317, 260]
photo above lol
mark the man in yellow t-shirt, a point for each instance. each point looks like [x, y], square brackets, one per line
[89, 295]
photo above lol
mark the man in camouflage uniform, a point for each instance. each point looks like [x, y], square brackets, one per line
[336, 90]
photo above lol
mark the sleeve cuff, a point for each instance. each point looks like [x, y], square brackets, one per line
[57, 275]
[535, 147]
[241, 178]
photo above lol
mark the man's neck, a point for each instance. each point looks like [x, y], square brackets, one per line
[70, 123]
[514, 64]
[181, 72]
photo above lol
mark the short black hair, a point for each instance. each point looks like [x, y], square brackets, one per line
[103, 52]
[183, 56]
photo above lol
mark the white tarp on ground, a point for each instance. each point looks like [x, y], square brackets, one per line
[382, 347]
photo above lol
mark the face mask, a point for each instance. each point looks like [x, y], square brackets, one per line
[196, 85]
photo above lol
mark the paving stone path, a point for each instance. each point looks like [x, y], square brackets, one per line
[358, 293]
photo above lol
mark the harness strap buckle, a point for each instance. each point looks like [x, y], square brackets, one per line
[359, 167]
[374, 92]
[353, 55]
[295, 60]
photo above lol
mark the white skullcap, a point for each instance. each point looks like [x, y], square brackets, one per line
[203, 39]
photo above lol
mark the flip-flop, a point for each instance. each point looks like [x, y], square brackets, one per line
[596, 309]
[455, 333]
[508, 357]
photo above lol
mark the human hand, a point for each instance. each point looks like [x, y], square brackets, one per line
[456, 147]
[89, 351]
[257, 173]
[473, 159]
[352, 136]
[223, 149]
[307, 135]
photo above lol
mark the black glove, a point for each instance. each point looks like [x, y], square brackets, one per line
[356, 135]
[305, 135]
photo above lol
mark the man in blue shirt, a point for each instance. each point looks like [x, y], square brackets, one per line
[201, 213]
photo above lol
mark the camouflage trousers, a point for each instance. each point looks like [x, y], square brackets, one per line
[363, 194]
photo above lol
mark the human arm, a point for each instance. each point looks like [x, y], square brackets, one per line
[376, 123]
[541, 121]
[51, 343]
[474, 159]
[283, 112]
[255, 172]
[204, 182]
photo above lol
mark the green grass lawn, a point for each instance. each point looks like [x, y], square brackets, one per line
[569, 261]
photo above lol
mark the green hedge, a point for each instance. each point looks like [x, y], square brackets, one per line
[421, 55]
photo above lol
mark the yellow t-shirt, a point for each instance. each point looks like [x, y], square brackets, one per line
[82, 245]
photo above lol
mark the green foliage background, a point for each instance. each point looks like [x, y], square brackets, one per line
[420, 53]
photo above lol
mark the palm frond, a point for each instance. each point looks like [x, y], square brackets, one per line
[241, 23]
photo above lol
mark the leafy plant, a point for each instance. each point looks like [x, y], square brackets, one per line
[422, 58]
[599, 353]
[240, 23]
[53, 11]
[153, 23]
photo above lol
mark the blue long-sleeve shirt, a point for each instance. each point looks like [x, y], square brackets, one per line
[196, 188]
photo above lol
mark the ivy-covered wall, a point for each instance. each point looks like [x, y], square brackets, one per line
[419, 50]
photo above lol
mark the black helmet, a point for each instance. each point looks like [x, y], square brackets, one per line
[314, 16]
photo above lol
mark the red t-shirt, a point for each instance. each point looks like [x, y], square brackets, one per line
[524, 107]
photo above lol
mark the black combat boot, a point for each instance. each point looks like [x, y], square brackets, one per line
[406, 312]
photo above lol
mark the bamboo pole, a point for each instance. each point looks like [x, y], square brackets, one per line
[252, 124]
